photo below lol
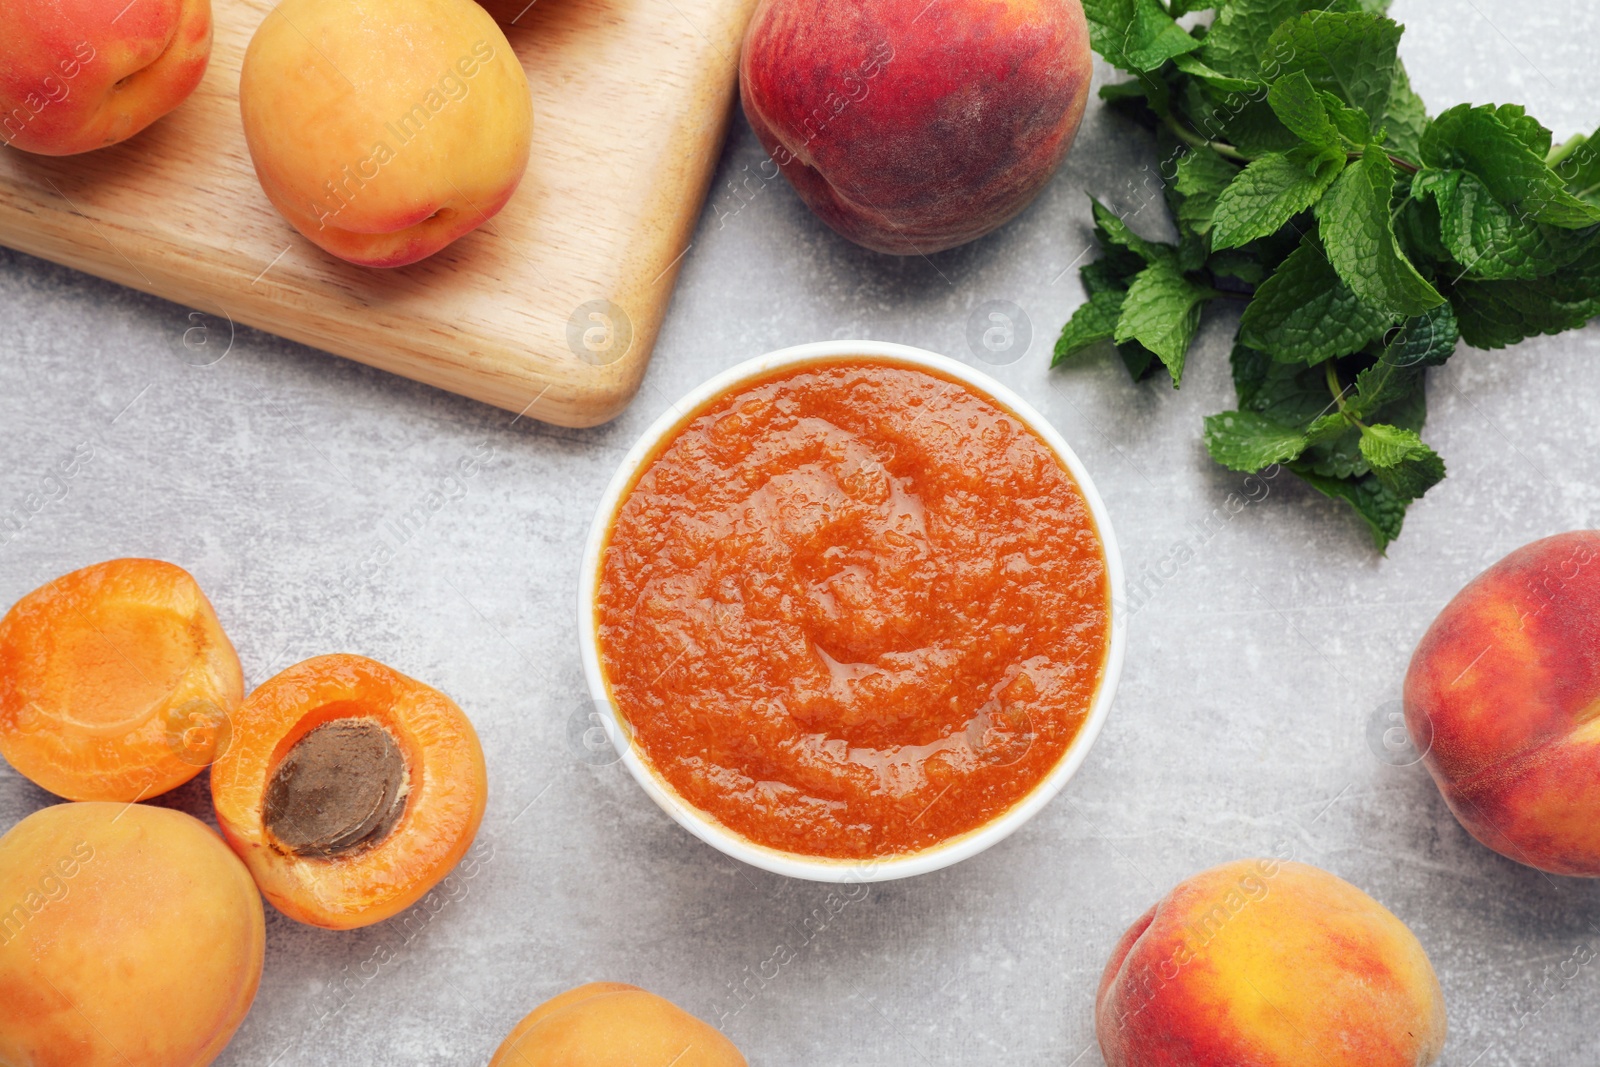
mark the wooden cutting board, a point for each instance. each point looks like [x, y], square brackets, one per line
[551, 309]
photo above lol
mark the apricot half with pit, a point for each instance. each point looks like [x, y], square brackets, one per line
[116, 682]
[609, 1024]
[349, 790]
[131, 936]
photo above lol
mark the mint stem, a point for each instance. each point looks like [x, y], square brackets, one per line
[1562, 152]
[1194, 140]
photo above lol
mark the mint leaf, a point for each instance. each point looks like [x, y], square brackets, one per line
[1162, 313]
[1270, 192]
[1580, 168]
[1289, 394]
[1245, 441]
[1353, 56]
[1400, 461]
[1427, 340]
[1358, 230]
[1529, 130]
[1239, 36]
[1305, 312]
[1477, 139]
[1201, 177]
[1299, 106]
[1114, 233]
[1486, 238]
[1382, 511]
[1094, 322]
[1136, 35]
[1140, 361]
[1497, 314]
[1213, 77]
[1240, 33]
[1406, 117]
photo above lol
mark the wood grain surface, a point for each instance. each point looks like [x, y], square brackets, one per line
[550, 309]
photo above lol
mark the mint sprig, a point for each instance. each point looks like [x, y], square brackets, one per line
[1364, 239]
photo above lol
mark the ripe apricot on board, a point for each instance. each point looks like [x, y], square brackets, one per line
[116, 682]
[912, 127]
[609, 1024]
[1272, 964]
[349, 790]
[383, 132]
[1503, 698]
[130, 937]
[82, 74]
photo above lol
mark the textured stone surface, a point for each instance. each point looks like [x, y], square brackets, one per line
[283, 479]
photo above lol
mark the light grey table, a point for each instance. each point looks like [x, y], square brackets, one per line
[1255, 677]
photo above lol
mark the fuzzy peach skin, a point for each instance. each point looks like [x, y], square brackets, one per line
[82, 74]
[404, 126]
[912, 127]
[130, 936]
[1503, 695]
[1271, 964]
[609, 1024]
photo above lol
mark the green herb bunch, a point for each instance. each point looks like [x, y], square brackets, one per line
[1364, 239]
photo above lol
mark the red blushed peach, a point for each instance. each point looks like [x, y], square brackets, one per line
[1505, 688]
[911, 127]
[83, 74]
[383, 132]
[1271, 964]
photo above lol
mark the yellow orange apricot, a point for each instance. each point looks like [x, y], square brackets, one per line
[116, 682]
[349, 790]
[129, 935]
[609, 1024]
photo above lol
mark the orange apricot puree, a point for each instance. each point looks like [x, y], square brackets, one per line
[853, 609]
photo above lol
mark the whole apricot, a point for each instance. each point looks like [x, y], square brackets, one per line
[129, 936]
[1503, 696]
[1272, 964]
[116, 682]
[350, 790]
[912, 127]
[609, 1024]
[383, 132]
[82, 74]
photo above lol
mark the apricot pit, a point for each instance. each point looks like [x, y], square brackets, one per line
[340, 789]
[349, 790]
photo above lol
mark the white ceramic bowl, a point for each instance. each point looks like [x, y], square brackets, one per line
[707, 828]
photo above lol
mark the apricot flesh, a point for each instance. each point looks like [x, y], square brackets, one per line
[117, 682]
[609, 1024]
[1272, 964]
[133, 937]
[1503, 696]
[403, 127]
[337, 833]
[912, 127]
[76, 75]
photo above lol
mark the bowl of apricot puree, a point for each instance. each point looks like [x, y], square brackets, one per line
[848, 612]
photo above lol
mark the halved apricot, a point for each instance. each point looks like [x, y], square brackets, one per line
[349, 790]
[116, 682]
[609, 1024]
